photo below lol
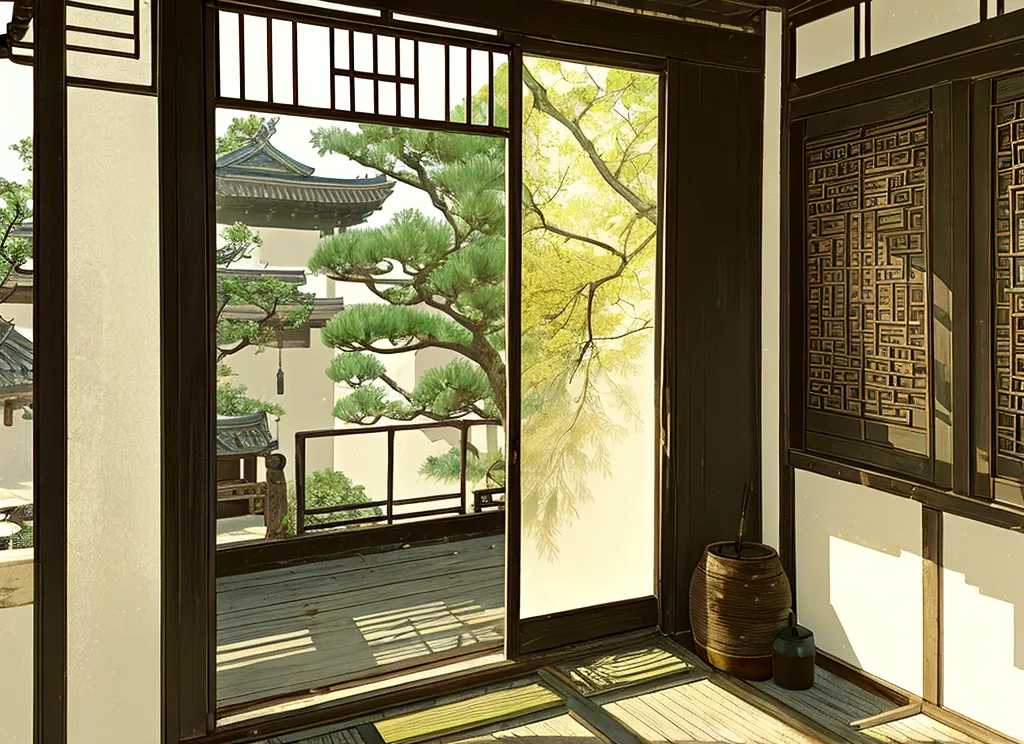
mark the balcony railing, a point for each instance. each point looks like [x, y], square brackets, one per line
[482, 499]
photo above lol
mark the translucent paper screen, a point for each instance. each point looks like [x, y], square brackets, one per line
[590, 223]
[825, 43]
[16, 377]
[896, 23]
[113, 415]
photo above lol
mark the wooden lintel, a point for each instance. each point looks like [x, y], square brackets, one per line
[888, 716]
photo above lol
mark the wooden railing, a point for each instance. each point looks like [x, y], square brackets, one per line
[483, 499]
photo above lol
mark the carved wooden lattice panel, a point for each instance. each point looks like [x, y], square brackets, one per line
[867, 284]
[1009, 280]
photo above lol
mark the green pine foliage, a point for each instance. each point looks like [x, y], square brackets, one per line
[239, 133]
[233, 398]
[481, 467]
[15, 210]
[442, 280]
[280, 304]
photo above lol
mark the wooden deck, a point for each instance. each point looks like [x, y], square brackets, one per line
[651, 693]
[292, 630]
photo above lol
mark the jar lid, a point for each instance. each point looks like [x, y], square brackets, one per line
[795, 633]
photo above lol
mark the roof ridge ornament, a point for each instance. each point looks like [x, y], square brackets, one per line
[268, 128]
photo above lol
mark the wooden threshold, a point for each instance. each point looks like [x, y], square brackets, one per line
[865, 680]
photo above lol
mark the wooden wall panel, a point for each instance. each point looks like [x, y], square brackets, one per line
[713, 298]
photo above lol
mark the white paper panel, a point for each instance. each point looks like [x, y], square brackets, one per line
[825, 43]
[114, 419]
[588, 442]
[1012, 5]
[771, 217]
[859, 576]
[107, 68]
[895, 23]
[983, 623]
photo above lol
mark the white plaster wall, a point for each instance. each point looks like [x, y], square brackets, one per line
[983, 624]
[771, 268]
[114, 419]
[16, 675]
[859, 576]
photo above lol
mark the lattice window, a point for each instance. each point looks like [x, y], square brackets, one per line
[1009, 280]
[868, 307]
[361, 72]
[107, 41]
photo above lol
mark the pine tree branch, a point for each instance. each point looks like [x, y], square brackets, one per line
[422, 296]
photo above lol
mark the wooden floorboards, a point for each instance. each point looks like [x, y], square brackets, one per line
[648, 693]
[296, 629]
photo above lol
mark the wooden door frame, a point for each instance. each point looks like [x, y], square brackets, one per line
[186, 116]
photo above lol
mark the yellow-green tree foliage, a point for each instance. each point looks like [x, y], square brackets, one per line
[590, 172]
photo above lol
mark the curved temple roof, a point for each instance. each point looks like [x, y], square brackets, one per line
[15, 363]
[244, 435]
[261, 186]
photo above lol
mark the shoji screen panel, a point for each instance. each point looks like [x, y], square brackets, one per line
[588, 342]
[114, 418]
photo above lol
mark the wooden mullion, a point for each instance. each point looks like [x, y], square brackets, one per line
[376, 79]
[381, 77]
[295, 63]
[469, 85]
[241, 55]
[334, 69]
[963, 462]
[270, 59]
[867, 28]
[490, 89]
[982, 183]
[447, 83]
[416, 79]
[351, 70]
[932, 609]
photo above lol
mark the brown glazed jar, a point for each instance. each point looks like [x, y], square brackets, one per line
[739, 601]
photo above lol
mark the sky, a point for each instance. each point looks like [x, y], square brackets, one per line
[16, 122]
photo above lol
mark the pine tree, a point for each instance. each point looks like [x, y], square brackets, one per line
[441, 280]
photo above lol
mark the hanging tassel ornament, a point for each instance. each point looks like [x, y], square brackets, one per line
[280, 373]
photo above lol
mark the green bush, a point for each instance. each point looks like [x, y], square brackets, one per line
[329, 488]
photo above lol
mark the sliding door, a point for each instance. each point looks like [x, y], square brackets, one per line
[589, 351]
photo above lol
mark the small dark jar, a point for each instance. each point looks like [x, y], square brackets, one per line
[793, 658]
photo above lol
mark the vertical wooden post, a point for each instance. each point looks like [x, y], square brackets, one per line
[391, 477]
[275, 506]
[931, 542]
[300, 484]
[463, 447]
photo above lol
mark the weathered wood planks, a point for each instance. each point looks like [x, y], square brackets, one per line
[308, 627]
